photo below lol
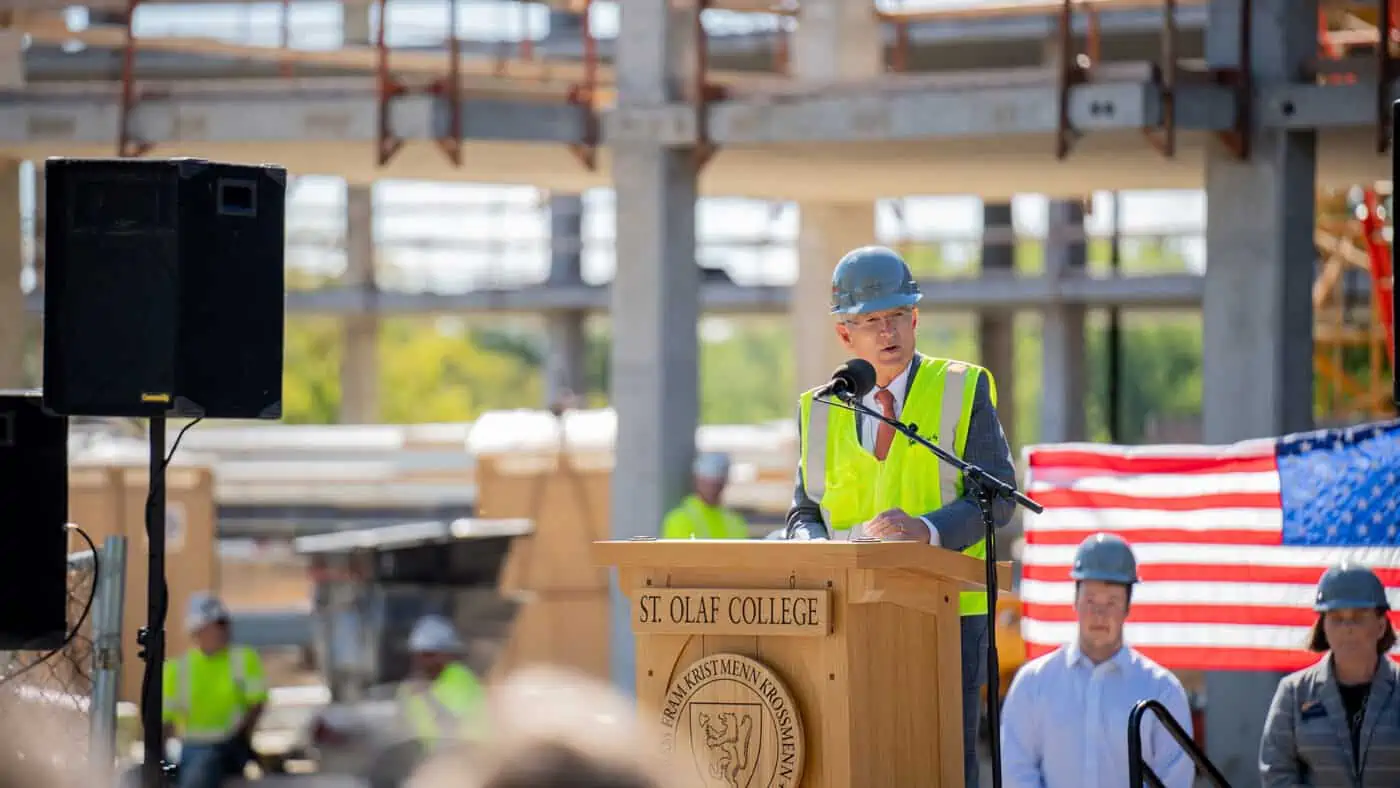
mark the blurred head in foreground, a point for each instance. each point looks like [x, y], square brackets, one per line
[41, 736]
[555, 729]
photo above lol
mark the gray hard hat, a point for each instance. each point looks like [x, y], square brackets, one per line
[711, 465]
[872, 279]
[1106, 558]
[1349, 586]
[434, 634]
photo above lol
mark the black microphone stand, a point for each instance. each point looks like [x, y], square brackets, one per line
[989, 489]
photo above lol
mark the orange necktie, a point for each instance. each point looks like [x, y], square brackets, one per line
[885, 435]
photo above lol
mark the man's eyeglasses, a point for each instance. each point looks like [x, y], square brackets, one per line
[877, 322]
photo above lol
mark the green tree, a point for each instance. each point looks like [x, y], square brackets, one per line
[312, 354]
[746, 377]
[1160, 374]
[430, 370]
[436, 371]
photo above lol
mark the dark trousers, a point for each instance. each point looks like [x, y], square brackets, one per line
[974, 675]
[209, 765]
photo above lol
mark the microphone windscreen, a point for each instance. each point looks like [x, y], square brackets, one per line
[862, 376]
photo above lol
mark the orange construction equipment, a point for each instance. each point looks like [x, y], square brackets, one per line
[1354, 332]
[1378, 249]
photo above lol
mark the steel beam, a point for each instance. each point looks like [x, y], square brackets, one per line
[1165, 292]
[975, 104]
[273, 110]
[1311, 107]
[343, 109]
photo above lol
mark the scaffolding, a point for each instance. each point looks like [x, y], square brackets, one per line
[1349, 39]
[1354, 332]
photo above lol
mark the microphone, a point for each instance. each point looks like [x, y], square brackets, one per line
[851, 380]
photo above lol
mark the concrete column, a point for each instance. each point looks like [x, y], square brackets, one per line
[565, 25]
[11, 59]
[359, 368]
[826, 232]
[1062, 413]
[996, 329]
[11, 262]
[1257, 311]
[834, 40]
[355, 26]
[837, 40]
[655, 297]
[564, 372]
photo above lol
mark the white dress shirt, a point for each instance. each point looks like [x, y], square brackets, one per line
[870, 428]
[1065, 722]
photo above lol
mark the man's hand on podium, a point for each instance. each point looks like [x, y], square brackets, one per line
[896, 525]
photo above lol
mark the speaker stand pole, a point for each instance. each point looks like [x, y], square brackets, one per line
[151, 638]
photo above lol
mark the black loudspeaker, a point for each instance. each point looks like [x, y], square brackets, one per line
[33, 524]
[164, 288]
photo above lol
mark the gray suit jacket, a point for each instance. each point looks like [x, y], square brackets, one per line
[959, 523]
[1306, 741]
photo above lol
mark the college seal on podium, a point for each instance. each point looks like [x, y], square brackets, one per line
[736, 722]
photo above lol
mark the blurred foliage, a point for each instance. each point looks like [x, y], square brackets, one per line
[454, 369]
[430, 370]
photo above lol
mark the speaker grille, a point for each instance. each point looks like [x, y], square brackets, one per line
[33, 517]
[165, 292]
[112, 282]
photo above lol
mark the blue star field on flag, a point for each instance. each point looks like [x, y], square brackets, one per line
[1341, 487]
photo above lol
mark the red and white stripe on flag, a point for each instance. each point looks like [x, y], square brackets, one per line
[1219, 590]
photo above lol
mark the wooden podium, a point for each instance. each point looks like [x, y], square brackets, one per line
[776, 664]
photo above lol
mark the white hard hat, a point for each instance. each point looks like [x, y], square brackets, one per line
[204, 609]
[712, 465]
[434, 634]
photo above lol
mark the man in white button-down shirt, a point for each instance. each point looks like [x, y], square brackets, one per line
[1065, 720]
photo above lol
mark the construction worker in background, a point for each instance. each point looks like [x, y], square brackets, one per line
[214, 695]
[853, 475]
[700, 515]
[1065, 720]
[1338, 722]
[442, 702]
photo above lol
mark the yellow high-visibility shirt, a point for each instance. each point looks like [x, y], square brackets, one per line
[851, 486]
[695, 519]
[449, 708]
[207, 695]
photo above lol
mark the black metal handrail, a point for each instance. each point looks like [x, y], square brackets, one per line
[1138, 770]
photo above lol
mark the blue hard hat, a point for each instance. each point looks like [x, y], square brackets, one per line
[1105, 557]
[1349, 586]
[872, 279]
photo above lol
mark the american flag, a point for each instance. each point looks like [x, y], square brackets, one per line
[1230, 540]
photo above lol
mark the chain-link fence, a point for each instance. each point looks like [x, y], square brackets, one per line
[58, 706]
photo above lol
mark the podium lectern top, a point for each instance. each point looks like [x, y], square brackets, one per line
[765, 554]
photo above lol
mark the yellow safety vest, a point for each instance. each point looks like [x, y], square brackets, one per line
[695, 519]
[206, 695]
[449, 708]
[851, 486]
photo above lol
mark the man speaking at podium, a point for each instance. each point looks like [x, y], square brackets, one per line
[855, 476]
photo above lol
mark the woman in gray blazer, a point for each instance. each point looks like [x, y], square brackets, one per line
[1337, 723]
